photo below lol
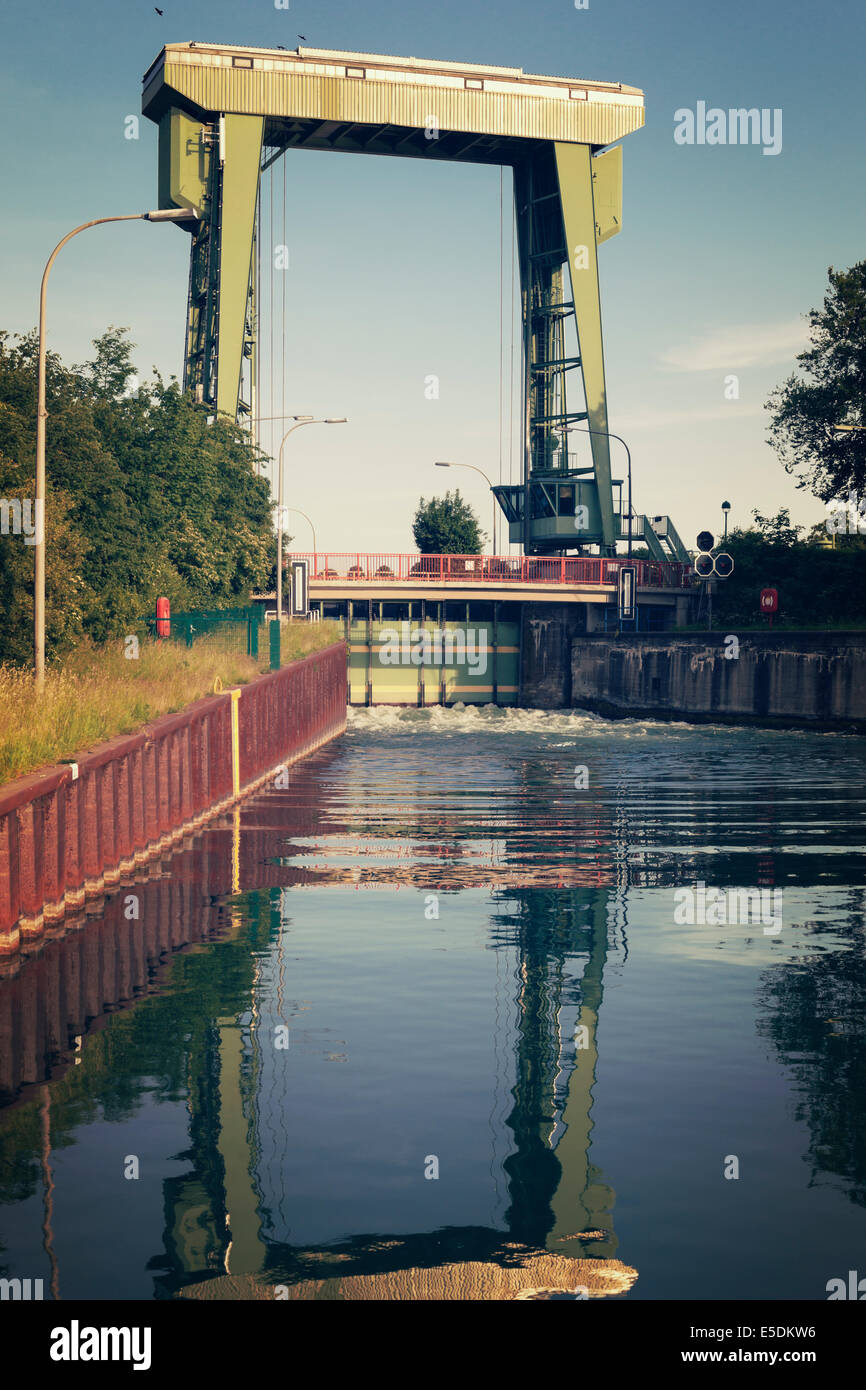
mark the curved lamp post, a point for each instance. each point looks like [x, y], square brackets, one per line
[161, 215]
[487, 481]
[606, 434]
[308, 520]
[299, 421]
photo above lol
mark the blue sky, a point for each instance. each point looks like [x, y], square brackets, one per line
[394, 269]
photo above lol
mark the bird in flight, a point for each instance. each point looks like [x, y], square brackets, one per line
[303, 37]
[158, 11]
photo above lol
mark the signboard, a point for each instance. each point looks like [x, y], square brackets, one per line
[769, 601]
[300, 588]
[704, 565]
[627, 593]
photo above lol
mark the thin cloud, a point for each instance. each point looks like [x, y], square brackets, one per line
[743, 345]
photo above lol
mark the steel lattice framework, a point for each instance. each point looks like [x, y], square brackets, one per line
[225, 113]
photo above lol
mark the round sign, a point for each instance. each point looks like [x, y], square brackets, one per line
[769, 601]
[724, 564]
[706, 540]
[704, 565]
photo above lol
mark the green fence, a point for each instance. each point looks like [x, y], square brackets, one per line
[244, 632]
[230, 629]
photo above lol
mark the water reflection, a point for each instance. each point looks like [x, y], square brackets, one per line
[813, 1014]
[171, 1017]
[558, 1235]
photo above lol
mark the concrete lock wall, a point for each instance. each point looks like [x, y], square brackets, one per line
[70, 832]
[548, 631]
[795, 679]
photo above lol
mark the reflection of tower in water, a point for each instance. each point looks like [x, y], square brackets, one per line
[557, 1198]
[558, 1232]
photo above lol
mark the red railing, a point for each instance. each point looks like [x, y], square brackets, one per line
[568, 570]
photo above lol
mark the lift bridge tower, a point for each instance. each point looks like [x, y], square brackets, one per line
[226, 113]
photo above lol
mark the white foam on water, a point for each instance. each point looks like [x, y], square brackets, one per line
[493, 719]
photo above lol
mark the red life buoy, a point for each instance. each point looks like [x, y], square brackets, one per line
[163, 617]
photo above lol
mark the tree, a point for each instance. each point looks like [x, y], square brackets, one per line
[144, 497]
[778, 529]
[447, 526]
[106, 376]
[816, 585]
[831, 391]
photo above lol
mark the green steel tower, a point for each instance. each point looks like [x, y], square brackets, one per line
[226, 113]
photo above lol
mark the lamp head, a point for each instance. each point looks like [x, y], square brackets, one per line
[172, 215]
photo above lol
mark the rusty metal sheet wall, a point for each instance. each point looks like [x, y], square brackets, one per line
[291, 712]
[70, 832]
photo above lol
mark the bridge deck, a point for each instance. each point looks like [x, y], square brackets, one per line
[337, 590]
[577, 578]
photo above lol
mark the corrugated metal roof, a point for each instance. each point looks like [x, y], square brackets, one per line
[329, 85]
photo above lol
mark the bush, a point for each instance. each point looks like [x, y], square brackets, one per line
[817, 586]
[143, 498]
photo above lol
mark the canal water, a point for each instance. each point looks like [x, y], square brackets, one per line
[457, 1013]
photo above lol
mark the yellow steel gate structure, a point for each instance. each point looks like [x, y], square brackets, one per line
[431, 662]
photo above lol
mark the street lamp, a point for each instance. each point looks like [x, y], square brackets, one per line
[299, 420]
[307, 519]
[487, 481]
[726, 507]
[160, 215]
[606, 434]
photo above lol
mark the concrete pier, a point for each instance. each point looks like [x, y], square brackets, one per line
[795, 679]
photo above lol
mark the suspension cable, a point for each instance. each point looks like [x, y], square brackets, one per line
[501, 330]
[271, 321]
[511, 357]
[284, 241]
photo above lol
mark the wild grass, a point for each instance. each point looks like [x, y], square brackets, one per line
[98, 692]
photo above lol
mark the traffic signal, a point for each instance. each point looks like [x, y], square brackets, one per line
[706, 563]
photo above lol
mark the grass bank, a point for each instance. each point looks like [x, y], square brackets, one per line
[99, 692]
